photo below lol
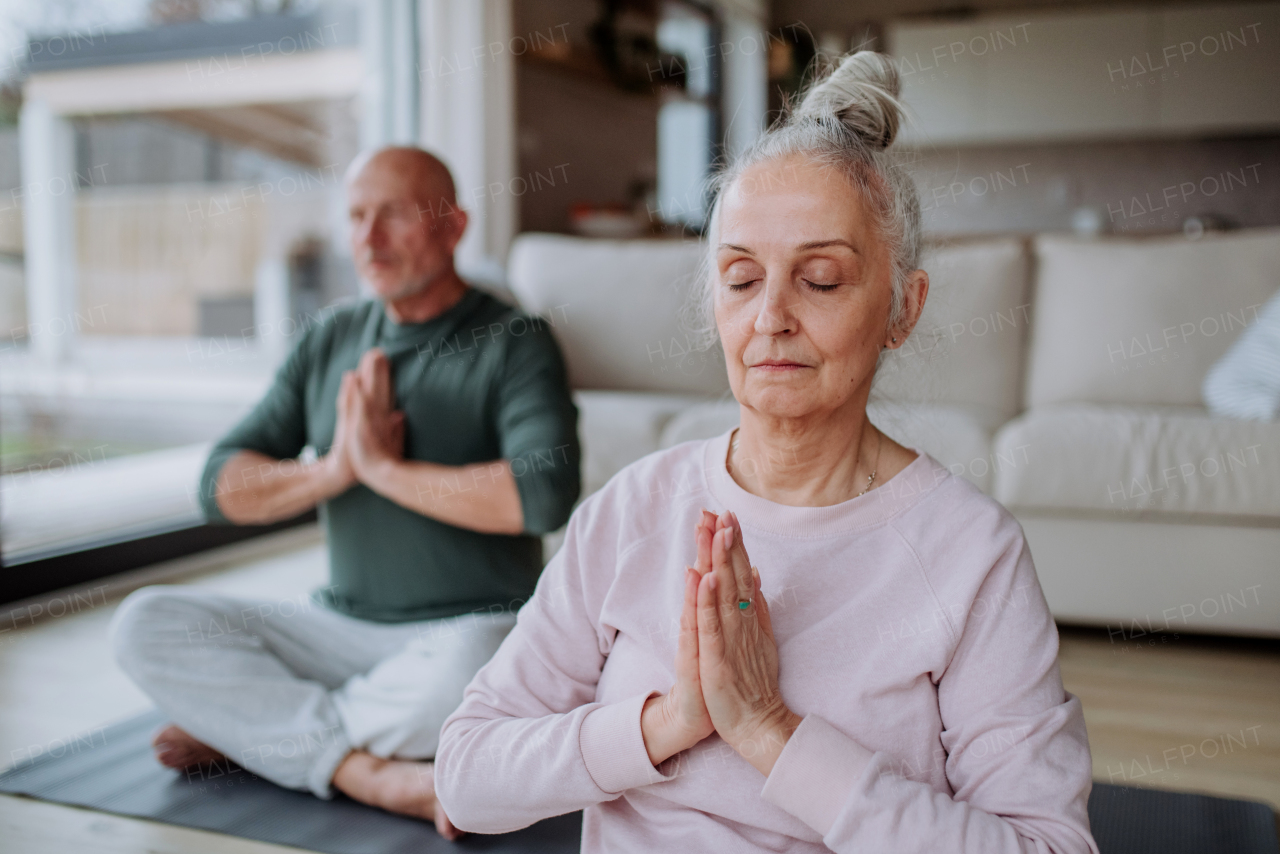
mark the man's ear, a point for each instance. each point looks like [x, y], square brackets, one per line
[455, 226]
[914, 293]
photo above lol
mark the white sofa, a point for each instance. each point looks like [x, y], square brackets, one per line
[1061, 376]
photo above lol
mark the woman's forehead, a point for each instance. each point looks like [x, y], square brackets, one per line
[808, 199]
[796, 229]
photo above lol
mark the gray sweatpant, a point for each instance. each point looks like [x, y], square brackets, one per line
[287, 688]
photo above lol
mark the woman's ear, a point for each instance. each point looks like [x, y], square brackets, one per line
[914, 293]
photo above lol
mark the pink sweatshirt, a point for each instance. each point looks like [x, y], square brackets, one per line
[913, 639]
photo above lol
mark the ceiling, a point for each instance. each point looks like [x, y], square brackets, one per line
[295, 132]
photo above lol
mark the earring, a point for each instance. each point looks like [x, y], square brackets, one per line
[895, 340]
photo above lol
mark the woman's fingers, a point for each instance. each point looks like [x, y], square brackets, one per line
[710, 634]
[739, 566]
[762, 604]
[703, 533]
[726, 587]
[687, 644]
[709, 519]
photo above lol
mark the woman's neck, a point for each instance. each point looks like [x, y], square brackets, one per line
[814, 461]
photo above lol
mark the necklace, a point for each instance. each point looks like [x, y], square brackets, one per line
[871, 478]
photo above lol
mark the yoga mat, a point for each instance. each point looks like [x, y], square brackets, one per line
[112, 770]
[1129, 820]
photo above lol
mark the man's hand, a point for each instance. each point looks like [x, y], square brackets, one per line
[370, 438]
[375, 428]
[335, 466]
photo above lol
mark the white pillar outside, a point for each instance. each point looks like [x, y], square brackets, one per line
[272, 312]
[406, 101]
[49, 235]
[389, 95]
[375, 86]
[745, 95]
[467, 85]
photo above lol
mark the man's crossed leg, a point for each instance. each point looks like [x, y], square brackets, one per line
[310, 699]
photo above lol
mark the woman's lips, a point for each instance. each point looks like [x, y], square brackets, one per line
[779, 365]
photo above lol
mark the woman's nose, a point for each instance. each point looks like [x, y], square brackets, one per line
[775, 315]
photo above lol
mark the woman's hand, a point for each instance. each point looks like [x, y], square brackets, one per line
[678, 719]
[738, 656]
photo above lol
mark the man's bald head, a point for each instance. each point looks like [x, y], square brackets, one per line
[405, 220]
[416, 167]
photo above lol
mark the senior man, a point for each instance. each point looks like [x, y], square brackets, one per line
[448, 443]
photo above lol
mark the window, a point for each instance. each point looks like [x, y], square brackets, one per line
[688, 120]
[169, 235]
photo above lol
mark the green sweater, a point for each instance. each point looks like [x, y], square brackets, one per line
[480, 382]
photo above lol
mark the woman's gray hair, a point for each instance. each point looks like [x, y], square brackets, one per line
[847, 119]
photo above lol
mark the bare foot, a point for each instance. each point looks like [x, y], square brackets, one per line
[176, 748]
[395, 785]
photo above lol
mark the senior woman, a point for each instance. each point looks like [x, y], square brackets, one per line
[852, 650]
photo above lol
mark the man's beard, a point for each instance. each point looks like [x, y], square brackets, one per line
[408, 288]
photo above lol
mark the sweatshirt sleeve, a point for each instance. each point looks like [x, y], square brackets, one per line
[538, 426]
[1017, 754]
[529, 741]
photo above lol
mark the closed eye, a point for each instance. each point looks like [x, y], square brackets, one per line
[822, 288]
[742, 286]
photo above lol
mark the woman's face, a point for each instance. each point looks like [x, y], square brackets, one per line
[802, 287]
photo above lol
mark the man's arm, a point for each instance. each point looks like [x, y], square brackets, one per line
[253, 475]
[481, 496]
[254, 489]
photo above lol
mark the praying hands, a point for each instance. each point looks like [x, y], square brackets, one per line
[368, 443]
[370, 430]
[369, 448]
[726, 659]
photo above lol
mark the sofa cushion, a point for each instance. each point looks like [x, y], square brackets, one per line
[615, 307]
[1140, 321]
[958, 437]
[618, 428]
[1140, 461]
[968, 346]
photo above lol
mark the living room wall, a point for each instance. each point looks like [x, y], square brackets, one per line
[595, 138]
[1031, 188]
[1135, 182]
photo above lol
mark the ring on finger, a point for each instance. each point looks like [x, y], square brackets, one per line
[744, 604]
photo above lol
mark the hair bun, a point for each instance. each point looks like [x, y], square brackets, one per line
[860, 93]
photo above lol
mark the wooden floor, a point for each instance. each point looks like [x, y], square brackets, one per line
[58, 678]
[1176, 711]
[34, 827]
[1166, 711]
